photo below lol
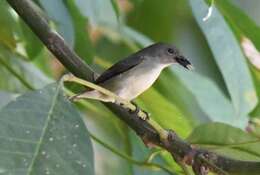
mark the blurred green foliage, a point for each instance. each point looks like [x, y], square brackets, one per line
[211, 105]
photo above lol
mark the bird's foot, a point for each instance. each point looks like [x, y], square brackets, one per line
[146, 116]
[73, 98]
[137, 110]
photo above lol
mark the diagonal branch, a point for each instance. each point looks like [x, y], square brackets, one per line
[200, 160]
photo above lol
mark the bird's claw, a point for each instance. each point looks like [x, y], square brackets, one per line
[146, 116]
[137, 110]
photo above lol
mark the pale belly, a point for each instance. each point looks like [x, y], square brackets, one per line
[131, 84]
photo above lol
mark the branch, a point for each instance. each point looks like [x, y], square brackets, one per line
[201, 160]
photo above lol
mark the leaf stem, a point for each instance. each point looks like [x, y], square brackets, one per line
[184, 168]
[153, 155]
[12, 71]
[130, 159]
[228, 145]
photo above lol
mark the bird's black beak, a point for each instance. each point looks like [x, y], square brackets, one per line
[184, 62]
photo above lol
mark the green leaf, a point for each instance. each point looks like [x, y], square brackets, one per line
[47, 137]
[5, 98]
[248, 7]
[136, 36]
[32, 44]
[240, 21]
[210, 98]
[58, 12]
[155, 19]
[110, 51]
[226, 140]
[116, 9]
[228, 56]
[7, 26]
[243, 26]
[14, 68]
[99, 12]
[172, 87]
[83, 45]
[43, 61]
[136, 2]
[256, 73]
[164, 112]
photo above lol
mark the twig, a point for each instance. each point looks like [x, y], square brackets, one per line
[153, 155]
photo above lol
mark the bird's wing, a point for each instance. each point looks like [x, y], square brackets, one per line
[120, 67]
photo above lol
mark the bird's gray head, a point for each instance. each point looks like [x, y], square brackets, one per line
[165, 54]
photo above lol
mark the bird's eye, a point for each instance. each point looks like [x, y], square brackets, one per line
[170, 51]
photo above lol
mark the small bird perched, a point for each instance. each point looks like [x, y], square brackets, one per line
[133, 75]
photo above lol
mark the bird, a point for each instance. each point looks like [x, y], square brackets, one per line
[134, 74]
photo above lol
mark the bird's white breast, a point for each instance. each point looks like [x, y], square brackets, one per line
[135, 81]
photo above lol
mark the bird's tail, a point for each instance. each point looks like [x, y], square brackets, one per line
[76, 97]
[93, 94]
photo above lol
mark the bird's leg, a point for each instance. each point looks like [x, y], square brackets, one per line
[147, 116]
[102, 94]
[137, 110]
